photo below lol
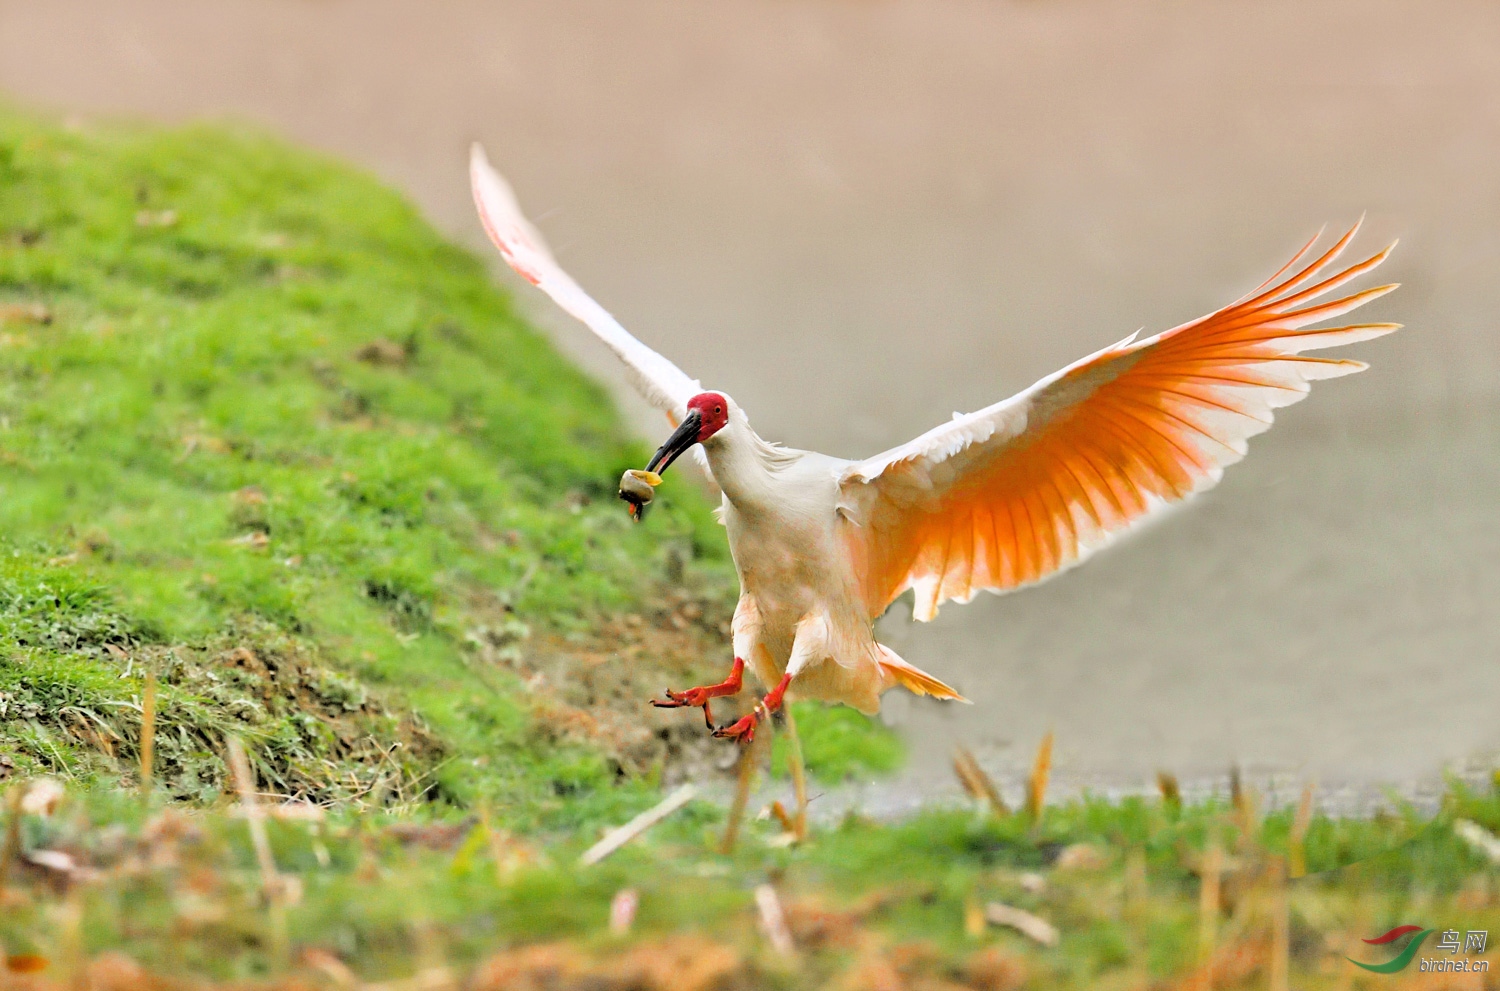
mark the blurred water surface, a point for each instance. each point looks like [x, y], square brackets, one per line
[859, 217]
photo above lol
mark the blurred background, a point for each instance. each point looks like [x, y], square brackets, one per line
[859, 217]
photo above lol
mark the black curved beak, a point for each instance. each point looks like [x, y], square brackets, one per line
[684, 437]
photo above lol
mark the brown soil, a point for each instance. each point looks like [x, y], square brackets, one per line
[596, 688]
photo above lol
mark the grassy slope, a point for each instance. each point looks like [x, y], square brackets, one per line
[194, 455]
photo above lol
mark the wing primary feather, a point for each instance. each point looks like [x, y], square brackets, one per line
[1196, 428]
[1191, 458]
[1079, 495]
[1046, 477]
[1139, 454]
[1336, 308]
[662, 383]
[942, 572]
[1085, 451]
[971, 531]
[1331, 283]
[1301, 254]
[1311, 271]
[1060, 513]
[1001, 516]
[1038, 536]
[1214, 401]
[997, 549]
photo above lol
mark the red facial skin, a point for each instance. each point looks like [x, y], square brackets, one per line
[714, 409]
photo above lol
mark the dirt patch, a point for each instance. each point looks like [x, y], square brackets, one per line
[596, 687]
[346, 743]
[313, 733]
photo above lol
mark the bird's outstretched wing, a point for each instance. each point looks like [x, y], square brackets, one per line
[662, 383]
[1013, 493]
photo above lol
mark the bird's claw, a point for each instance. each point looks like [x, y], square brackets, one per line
[700, 696]
[742, 730]
[690, 698]
[679, 700]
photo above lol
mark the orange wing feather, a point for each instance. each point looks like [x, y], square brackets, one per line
[1014, 493]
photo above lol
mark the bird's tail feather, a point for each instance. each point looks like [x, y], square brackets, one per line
[913, 678]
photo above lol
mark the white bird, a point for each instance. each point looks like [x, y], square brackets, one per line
[992, 501]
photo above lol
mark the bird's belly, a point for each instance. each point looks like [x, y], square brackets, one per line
[788, 570]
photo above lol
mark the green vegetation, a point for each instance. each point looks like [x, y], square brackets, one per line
[838, 743]
[1122, 882]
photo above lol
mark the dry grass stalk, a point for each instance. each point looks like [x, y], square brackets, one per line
[974, 920]
[799, 776]
[330, 966]
[622, 911]
[778, 812]
[1297, 842]
[503, 864]
[683, 962]
[773, 920]
[1031, 926]
[1246, 809]
[748, 758]
[1171, 792]
[1036, 791]
[148, 729]
[1481, 839]
[69, 957]
[245, 785]
[25, 313]
[272, 884]
[622, 835]
[1281, 939]
[426, 979]
[1208, 898]
[12, 844]
[978, 784]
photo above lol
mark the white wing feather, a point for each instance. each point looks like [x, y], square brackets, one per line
[662, 383]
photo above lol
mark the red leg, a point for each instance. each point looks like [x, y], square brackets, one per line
[700, 696]
[744, 729]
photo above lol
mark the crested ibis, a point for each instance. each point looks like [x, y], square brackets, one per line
[994, 500]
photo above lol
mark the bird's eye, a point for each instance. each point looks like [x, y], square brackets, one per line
[718, 410]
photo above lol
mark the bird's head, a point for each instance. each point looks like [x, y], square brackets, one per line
[707, 414]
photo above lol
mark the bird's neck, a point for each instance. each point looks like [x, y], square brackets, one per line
[744, 465]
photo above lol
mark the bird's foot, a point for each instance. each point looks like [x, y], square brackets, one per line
[699, 697]
[678, 700]
[689, 698]
[743, 729]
